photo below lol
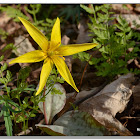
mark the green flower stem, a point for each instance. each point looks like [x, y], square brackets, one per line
[44, 107]
[94, 14]
[24, 124]
[5, 84]
[19, 99]
[27, 123]
[6, 104]
[107, 26]
[125, 46]
[34, 15]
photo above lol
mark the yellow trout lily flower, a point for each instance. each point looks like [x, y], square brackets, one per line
[51, 53]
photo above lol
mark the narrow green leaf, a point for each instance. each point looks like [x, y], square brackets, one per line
[119, 34]
[54, 101]
[13, 103]
[104, 10]
[32, 115]
[4, 67]
[2, 101]
[120, 20]
[97, 8]
[30, 89]
[129, 36]
[87, 9]
[8, 122]
[1, 113]
[3, 80]
[9, 76]
[127, 29]
[12, 110]
[119, 27]
[1, 58]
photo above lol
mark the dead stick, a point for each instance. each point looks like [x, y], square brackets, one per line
[84, 72]
[27, 131]
[83, 76]
[21, 41]
[126, 117]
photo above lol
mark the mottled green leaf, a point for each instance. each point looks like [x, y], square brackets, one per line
[75, 123]
[54, 101]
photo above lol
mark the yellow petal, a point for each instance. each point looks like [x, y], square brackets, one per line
[53, 45]
[75, 48]
[38, 37]
[56, 35]
[64, 71]
[30, 57]
[46, 69]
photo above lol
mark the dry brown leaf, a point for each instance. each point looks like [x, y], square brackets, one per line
[109, 101]
[137, 63]
[129, 6]
[35, 73]
[6, 53]
[137, 8]
[120, 9]
[83, 36]
[130, 18]
[4, 19]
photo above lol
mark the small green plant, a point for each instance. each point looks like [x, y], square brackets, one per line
[33, 9]
[13, 12]
[3, 34]
[114, 42]
[71, 11]
[5, 99]
[44, 25]
[26, 106]
[74, 106]
[9, 46]
[23, 110]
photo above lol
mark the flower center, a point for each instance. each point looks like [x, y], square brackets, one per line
[50, 53]
[52, 49]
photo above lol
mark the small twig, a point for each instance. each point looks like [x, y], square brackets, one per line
[44, 107]
[126, 117]
[27, 131]
[26, 13]
[84, 72]
[21, 41]
[83, 76]
[137, 63]
[125, 124]
[68, 106]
